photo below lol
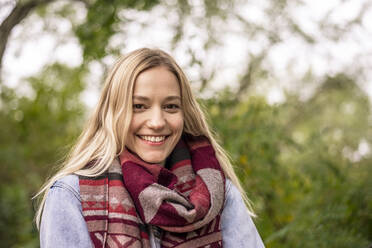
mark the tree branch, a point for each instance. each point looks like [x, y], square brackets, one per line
[20, 11]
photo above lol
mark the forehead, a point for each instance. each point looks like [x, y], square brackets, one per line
[157, 81]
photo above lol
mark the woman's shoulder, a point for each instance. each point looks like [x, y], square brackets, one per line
[62, 222]
[233, 198]
[228, 185]
[68, 183]
[238, 229]
[231, 191]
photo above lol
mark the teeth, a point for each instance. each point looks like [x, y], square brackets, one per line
[153, 138]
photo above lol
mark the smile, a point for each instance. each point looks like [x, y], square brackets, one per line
[153, 139]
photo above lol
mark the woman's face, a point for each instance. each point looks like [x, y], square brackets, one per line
[157, 121]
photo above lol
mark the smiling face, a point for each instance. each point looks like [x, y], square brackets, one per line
[157, 121]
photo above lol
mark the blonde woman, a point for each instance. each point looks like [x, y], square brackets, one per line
[146, 170]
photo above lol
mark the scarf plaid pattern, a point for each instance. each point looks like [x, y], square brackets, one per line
[184, 200]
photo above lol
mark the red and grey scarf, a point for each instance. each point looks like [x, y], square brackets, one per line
[184, 200]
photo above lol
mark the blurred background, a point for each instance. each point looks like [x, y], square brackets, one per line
[287, 84]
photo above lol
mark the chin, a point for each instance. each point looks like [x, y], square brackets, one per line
[153, 159]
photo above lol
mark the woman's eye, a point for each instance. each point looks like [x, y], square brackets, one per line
[172, 106]
[138, 106]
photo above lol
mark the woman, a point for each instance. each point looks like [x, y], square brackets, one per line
[146, 170]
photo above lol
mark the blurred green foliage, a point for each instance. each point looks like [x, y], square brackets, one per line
[102, 22]
[293, 161]
[35, 133]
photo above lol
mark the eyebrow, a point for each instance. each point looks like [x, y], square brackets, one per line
[144, 98]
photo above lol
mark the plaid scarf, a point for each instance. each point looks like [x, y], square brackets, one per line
[181, 202]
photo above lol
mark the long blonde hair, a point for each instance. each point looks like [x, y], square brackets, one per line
[103, 138]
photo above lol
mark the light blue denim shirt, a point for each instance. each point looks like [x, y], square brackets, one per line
[63, 224]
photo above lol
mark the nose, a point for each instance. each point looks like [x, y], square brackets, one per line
[156, 119]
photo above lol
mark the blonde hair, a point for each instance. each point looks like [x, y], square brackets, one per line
[103, 138]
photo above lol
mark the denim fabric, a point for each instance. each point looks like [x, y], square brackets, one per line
[238, 229]
[63, 224]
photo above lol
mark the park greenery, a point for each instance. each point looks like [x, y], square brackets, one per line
[301, 161]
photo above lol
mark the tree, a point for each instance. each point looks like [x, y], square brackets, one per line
[102, 17]
[296, 162]
[36, 133]
[299, 160]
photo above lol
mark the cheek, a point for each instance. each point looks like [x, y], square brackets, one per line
[133, 129]
[134, 125]
[177, 124]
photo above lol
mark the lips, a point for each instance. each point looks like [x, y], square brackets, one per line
[153, 138]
